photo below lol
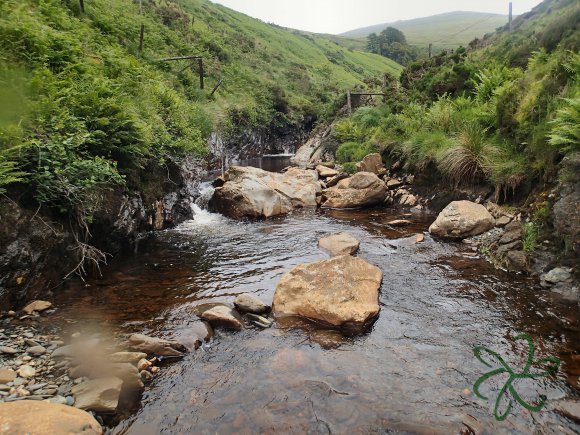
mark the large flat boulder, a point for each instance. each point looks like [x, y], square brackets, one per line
[253, 192]
[39, 417]
[340, 292]
[360, 190]
[461, 219]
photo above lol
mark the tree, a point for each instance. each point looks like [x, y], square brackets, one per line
[392, 43]
[391, 35]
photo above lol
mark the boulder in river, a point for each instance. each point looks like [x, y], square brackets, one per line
[340, 292]
[360, 190]
[156, 346]
[39, 417]
[248, 303]
[339, 244]
[99, 395]
[253, 192]
[371, 163]
[221, 315]
[461, 219]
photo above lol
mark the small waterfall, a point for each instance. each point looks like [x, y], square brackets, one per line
[205, 193]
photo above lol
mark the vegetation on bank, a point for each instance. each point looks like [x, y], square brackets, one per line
[83, 108]
[480, 117]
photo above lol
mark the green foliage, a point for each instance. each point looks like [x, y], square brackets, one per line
[82, 109]
[565, 132]
[531, 232]
[391, 43]
[422, 149]
[349, 167]
[352, 152]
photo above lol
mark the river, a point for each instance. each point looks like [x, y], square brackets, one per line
[413, 372]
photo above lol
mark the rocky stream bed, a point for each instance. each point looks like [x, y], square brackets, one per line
[323, 318]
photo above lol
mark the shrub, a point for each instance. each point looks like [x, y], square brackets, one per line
[531, 232]
[349, 167]
[565, 131]
[424, 147]
[352, 152]
[440, 114]
[467, 161]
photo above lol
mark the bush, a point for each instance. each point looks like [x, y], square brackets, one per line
[565, 127]
[424, 147]
[468, 160]
[352, 152]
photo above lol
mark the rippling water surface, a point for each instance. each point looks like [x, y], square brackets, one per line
[413, 372]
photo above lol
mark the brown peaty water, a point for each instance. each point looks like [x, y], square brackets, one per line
[412, 373]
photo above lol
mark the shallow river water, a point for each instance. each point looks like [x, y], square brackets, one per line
[413, 372]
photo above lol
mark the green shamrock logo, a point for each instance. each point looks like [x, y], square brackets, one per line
[549, 365]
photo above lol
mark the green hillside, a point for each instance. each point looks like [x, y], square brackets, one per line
[503, 112]
[83, 108]
[445, 30]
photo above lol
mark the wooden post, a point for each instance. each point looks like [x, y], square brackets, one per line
[82, 4]
[510, 17]
[200, 61]
[216, 87]
[348, 102]
[430, 50]
[141, 37]
[140, 7]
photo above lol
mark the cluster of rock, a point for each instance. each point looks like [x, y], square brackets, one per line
[88, 374]
[253, 192]
[341, 292]
[248, 309]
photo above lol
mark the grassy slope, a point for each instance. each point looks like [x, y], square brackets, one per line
[504, 113]
[450, 29]
[92, 95]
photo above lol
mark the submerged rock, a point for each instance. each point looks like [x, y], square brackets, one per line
[253, 192]
[223, 316]
[156, 346]
[462, 219]
[100, 395]
[248, 303]
[339, 244]
[341, 292]
[39, 417]
[360, 190]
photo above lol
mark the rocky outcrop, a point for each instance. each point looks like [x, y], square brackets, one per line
[566, 210]
[360, 190]
[371, 163]
[38, 417]
[340, 292]
[339, 244]
[38, 249]
[461, 219]
[253, 192]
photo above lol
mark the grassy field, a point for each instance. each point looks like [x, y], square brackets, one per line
[447, 30]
